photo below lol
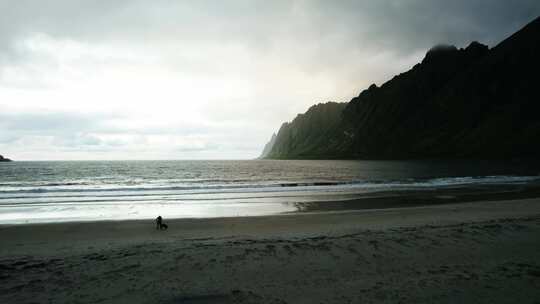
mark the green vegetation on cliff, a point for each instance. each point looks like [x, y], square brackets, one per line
[309, 134]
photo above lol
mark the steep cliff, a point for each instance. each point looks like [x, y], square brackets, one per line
[308, 134]
[472, 102]
[268, 147]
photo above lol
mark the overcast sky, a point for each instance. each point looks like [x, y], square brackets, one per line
[198, 79]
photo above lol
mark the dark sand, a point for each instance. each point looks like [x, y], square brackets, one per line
[479, 252]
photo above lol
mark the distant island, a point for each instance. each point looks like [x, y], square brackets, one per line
[3, 159]
[474, 102]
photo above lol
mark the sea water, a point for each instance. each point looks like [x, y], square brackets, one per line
[57, 191]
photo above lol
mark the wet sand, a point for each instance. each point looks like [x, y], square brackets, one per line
[478, 252]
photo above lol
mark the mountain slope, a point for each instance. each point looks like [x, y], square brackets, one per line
[472, 102]
[268, 147]
[307, 135]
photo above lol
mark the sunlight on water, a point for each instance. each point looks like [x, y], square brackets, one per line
[73, 191]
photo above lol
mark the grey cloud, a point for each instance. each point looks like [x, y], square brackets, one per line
[51, 122]
[413, 23]
[75, 131]
[200, 148]
[79, 140]
[334, 38]
[6, 138]
[264, 24]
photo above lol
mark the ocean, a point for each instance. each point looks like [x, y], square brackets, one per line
[60, 191]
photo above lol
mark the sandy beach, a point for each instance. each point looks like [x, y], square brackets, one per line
[477, 252]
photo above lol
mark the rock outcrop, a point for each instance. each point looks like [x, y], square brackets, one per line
[3, 159]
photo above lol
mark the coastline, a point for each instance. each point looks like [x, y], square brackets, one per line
[469, 252]
[326, 222]
[308, 203]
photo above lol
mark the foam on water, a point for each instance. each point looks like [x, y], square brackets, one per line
[73, 191]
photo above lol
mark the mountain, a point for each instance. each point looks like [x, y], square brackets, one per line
[268, 147]
[474, 102]
[307, 135]
[2, 159]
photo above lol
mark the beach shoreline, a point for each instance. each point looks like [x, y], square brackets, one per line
[367, 255]
[315, 202]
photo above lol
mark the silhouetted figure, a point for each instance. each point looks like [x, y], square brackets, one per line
[159, 220]
[160, 225]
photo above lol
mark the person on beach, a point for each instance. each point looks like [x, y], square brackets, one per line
[158, 222]
[160, 225]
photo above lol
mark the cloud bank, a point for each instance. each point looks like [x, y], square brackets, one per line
[206, 79]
